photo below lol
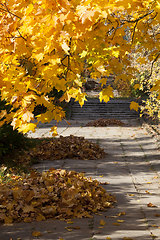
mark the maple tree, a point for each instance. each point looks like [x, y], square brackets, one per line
[44, 44]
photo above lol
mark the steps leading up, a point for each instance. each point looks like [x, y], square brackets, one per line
[94, 109]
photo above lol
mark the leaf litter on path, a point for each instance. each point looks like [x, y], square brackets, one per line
[67, 147]
[102, 122]
[57, 194]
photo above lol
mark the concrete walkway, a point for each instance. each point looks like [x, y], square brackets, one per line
[132, 169]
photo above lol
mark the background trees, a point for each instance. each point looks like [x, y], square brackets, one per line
[43, 45]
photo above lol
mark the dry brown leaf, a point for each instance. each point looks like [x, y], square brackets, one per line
[36, 234]
[148, 192]
[116, 224]
[157, 215]
[151, 205]
[154, 225]
[102, 222]
[8, 220]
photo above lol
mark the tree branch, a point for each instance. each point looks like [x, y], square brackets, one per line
[7, 10]
[153, 62]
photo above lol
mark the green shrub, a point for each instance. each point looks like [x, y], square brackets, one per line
[10, 140]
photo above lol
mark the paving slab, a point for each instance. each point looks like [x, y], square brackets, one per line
[130, 171]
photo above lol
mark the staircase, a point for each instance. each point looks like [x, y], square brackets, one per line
[94, 109]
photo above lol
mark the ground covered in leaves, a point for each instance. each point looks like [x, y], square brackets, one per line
[58, 194]
[66, 147]
[105, 122]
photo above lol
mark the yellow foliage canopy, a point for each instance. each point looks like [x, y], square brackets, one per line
[43, 45]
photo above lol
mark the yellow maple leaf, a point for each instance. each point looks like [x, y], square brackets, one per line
[54, 131]
[115, 53]
[83, 54]
[27, 116]
[81, 97]
[38, 56]
[134, 106]
[103, 81]
[136, 86]
[65, 47]
[29, 9]
[27, 127]
[3, 113]
[106, 94]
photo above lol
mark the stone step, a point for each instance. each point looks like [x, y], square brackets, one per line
[99, 109]
[85, 117]
[94, 109]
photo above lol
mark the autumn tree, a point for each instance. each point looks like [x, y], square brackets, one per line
[43, 45]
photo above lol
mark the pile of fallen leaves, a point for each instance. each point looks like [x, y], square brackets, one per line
[105, 122]
[58, 194]
[67, 147]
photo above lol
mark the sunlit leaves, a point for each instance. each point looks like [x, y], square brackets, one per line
[54, 131]
[27, 127]
[81, 97]
[102, 122]
[134, 106]
[3, 113]
[45, 44]
[53, 194]
[106, 94]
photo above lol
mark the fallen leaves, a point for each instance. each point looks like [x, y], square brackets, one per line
[151, 205]
[69, 229]
[104, 123]
[157, 215]
[121, 214]
[67, 147]
[127, 238]
[120, 221]
[116, 224]
[58, 194]
[148, 192]
[36, 234]
[102, 222]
